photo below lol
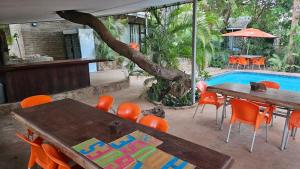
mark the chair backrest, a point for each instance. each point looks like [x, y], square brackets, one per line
[35, 100]
[155, 122]
[134, 46]
[294, 120]
[37, 153]
[258, 61]
[55, 158]
[270, 84]
[105, 103]
[129, 111]
[245, 111]
[262, 60]
[242, 61]
[201, 86]
[232, 59]
[254, 60]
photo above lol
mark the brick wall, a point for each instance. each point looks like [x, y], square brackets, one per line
[46, 38]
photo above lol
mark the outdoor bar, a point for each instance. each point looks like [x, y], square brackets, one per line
[24, 80]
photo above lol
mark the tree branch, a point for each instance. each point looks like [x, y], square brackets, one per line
[122, 48]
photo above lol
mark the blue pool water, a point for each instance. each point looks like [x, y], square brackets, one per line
[290, 83]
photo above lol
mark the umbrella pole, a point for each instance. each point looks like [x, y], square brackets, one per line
[248, 45]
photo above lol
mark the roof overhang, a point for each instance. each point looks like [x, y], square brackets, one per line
[24, 11]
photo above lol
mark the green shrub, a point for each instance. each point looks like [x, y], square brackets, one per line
[185, 100]
[158, 92]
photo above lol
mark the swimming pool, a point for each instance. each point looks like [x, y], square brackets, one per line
[291, 83]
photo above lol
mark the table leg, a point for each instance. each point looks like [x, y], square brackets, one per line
[285, 130]
[223, 112]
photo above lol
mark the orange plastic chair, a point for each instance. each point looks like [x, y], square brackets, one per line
[56, 159]
[247, 113]
[294, 123]
[155, 122]
[208, 98]
[35, 100]
[129, 111]
[243, 62]
[258, 62]
[270, 84]
[134, 46]
[232, 61]
[37, 154]
[269, 115]
[105, 103]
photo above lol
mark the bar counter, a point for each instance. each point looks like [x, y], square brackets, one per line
[23, 80]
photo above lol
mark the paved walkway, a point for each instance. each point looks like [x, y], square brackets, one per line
[202, 130]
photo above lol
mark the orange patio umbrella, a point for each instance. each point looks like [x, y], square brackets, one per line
[250, 33]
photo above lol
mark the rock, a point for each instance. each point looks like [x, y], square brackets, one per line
[157, 111]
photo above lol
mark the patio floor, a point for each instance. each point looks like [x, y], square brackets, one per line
[202, 130]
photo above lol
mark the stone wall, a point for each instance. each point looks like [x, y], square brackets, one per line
[46, 38]
[186, 66]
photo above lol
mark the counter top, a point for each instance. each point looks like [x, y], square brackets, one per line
[24, 66]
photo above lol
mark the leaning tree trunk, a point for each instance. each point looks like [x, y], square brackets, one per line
[181, 81]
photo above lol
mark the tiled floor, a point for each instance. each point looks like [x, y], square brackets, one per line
[201, 130]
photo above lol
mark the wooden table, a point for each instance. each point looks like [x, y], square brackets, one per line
[282, 98]
[67, 122]
[249, 56]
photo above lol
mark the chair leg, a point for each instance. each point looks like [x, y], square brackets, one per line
[217, 115]
[295, 132]
[286, 140]
[202, 109]
[31, 161]
[266, 132]
[253, 139]
[272, 121]
[113, 111]
[196, 111]
[228, 135]
[240, 125]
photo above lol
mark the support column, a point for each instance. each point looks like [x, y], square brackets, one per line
[194, 47]
[3, 47]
